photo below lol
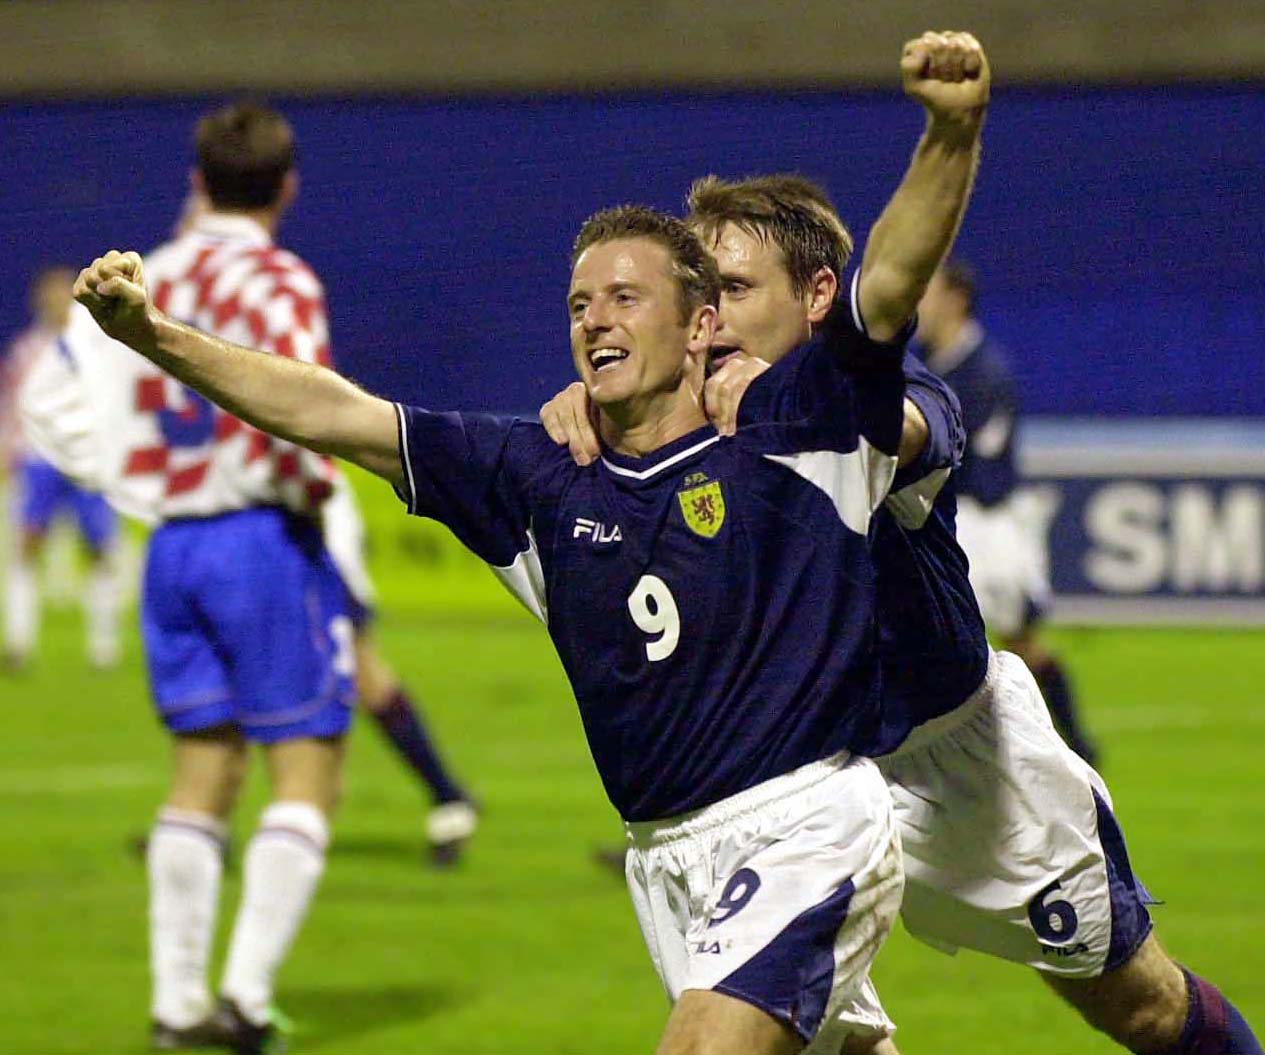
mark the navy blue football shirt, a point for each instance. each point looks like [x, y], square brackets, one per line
[713, 602]
[932, 644]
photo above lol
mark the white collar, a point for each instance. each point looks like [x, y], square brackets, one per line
[231, 226]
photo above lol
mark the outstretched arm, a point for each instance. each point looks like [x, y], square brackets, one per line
[948, 74]
[305, 404]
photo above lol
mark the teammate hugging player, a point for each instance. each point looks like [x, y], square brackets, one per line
[1009, 844]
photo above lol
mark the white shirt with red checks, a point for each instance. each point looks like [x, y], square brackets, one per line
[163, 451]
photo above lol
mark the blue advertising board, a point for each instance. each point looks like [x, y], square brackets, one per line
[1148, 521]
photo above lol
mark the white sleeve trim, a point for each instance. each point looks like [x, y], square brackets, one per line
[410, 497]
[854, 299]
[525, 579]
[911, 505]
[856, 482]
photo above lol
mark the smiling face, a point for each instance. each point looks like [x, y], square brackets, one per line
[761, 315]
[631, 340]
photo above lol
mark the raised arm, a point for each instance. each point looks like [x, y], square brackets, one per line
[305, 404]
[948, 74]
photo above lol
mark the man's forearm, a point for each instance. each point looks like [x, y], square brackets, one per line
[300, 402]
[919, 224]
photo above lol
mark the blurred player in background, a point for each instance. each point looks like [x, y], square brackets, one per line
[453, 817]
[246, 621]
[1006, 572]
[41, 494]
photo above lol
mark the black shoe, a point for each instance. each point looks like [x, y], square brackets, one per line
[240, 1035]
[163, 1037]
[448, 828]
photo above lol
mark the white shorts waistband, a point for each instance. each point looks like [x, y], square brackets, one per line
[646, 834]
[963, 712]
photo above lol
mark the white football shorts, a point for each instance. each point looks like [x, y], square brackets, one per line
[779, 896]
[1010, 845]
[1006, 572]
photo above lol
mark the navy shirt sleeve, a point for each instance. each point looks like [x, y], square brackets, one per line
[946, 434]
[918, 484]
[460, 469]
[841, 379]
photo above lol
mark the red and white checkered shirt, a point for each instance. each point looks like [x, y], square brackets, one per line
[167, 452]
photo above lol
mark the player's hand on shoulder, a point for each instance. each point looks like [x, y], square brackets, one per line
[112, 288]
[568, 419]
[948, 73]
[723, 391]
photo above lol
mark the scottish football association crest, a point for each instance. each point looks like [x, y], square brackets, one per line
[702, 505]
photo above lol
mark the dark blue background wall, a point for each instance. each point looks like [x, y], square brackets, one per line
[1118, 233]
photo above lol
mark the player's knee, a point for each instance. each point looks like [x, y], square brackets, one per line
[1142, 1006]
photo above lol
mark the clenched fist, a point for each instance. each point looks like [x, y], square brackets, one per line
[948, 73]
[113, 289]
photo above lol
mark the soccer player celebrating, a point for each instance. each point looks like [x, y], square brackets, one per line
[42, 493]
[1008, 840]
[245, 620]
[691, 585]
[1005, 574]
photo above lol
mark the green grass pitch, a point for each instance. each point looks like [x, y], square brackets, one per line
[528, 946]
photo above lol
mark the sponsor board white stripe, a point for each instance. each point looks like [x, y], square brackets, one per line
[1156, 611]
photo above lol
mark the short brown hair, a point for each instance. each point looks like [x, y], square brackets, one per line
[792, 212]
[244, 153]
[697, 278]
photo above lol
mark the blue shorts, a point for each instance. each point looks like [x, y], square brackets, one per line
[246, 621]
[43, 493]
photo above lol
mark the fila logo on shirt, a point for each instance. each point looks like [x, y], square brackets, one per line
[596, 532]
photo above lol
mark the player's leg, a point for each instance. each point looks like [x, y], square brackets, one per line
[273, 582]
[1011, 849]
[22, 600]
[1152, 1006]
[453, 817]
[704, 1022]
[1056, 687]
[281, 869]
[184, 859]
[184, 851]
[34, 503]
[99, 528]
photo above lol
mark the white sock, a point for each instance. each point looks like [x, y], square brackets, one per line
[185, 858]
[101, 613]
[283, 864]
[21, 608]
